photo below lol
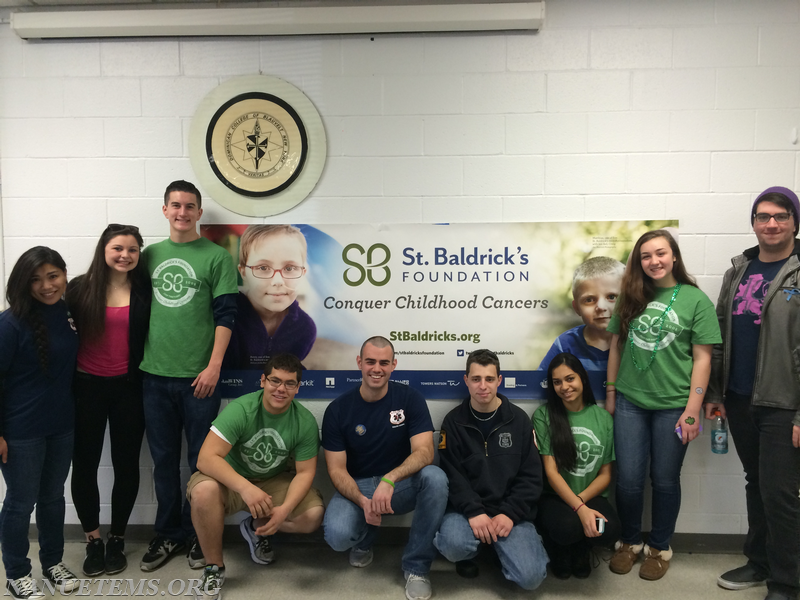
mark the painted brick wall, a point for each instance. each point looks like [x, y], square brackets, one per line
[618, 109]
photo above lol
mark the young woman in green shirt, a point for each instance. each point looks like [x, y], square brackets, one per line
[658, 369]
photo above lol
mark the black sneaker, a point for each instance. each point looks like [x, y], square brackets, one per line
[115, 555]
[159, 552]
[468, 569]
[742, 578]
[24, 588]
[94, 563]
[196, 558]
[62, 578]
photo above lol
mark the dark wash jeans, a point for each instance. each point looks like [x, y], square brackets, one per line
[170, 408]
[642, 435]
[35, 474]
[763, 440]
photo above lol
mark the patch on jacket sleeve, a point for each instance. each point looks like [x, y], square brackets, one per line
[442, 439]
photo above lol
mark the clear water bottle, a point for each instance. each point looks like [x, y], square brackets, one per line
[719, 434]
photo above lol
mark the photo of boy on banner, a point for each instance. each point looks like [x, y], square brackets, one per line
[272, 265]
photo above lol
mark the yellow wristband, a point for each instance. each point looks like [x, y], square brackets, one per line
[389, 481]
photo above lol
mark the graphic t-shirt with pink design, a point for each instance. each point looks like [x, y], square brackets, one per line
[746, 322]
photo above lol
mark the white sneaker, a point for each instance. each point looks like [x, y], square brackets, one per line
[64, 579]
[418, 587]
[24, 588]
[211, 583]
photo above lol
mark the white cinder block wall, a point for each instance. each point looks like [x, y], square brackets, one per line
[620, 109]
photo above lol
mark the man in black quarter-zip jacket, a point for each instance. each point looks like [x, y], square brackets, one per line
[486, 449]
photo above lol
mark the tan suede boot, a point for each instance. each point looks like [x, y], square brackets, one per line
[656, 563]
[625, 556]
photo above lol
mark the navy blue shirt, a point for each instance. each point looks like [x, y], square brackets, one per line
[37, 404]
[746, 323]
[375, 435]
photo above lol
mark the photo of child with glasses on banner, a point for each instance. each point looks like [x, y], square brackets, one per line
[273, 266]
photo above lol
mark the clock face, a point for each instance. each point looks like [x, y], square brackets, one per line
[256, 144]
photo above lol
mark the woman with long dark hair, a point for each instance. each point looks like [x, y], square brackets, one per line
[576, 442]
[38, 347]
[658, 370]
[111, 306]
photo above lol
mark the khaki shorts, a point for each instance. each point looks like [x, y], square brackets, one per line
[275, 487]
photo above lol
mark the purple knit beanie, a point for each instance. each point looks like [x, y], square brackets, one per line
[784, 191]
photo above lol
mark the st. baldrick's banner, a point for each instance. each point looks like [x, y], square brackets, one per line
[437, 292]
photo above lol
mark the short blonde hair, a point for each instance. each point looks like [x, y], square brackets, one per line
[256, 233]
[595, 268]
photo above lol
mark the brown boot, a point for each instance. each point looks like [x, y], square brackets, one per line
[625, 556]
[656, 563]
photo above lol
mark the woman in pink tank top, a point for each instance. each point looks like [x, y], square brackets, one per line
[111, 307]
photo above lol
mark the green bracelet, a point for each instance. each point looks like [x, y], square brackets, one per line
[389, 481]
[611, 383]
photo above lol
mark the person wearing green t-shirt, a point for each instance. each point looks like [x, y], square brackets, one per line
[244, 466]
[192, 314]
[576, 442]
[658, 370]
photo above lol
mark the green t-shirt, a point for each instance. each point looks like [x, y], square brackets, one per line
[186, 278]
[263, 442]
[593, 431]
[665, 384]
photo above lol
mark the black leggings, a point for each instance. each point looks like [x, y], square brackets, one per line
[558, 523]
[118, 401]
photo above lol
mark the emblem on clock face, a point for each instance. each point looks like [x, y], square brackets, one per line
[256, 144]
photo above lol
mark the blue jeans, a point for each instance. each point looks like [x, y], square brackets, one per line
[639, 435]
[424, 492]
[521, 553]
[170, 408]
[35, 474]
[763, 439]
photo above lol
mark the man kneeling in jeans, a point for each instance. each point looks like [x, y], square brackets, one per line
[487, 450]
[243, 466]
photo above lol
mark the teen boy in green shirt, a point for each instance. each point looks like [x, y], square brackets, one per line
[244, 465]
[193, 312]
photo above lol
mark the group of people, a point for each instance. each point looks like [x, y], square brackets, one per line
[154, 326]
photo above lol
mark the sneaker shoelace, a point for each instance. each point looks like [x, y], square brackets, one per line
[213, 580]
[263, 545]
[25, 586]
[60, 572]
[413, 577]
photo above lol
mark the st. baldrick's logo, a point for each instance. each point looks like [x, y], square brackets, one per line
[174, 283]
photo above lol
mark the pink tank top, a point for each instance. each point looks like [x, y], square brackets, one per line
[108, 356]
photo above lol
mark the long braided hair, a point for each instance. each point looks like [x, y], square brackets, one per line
[22, 304]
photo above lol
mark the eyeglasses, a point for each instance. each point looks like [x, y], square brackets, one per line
[779, 217]
[267, 272]
[276, 383]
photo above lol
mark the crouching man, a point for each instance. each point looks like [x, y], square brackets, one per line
[487, 450]
[243, 466]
